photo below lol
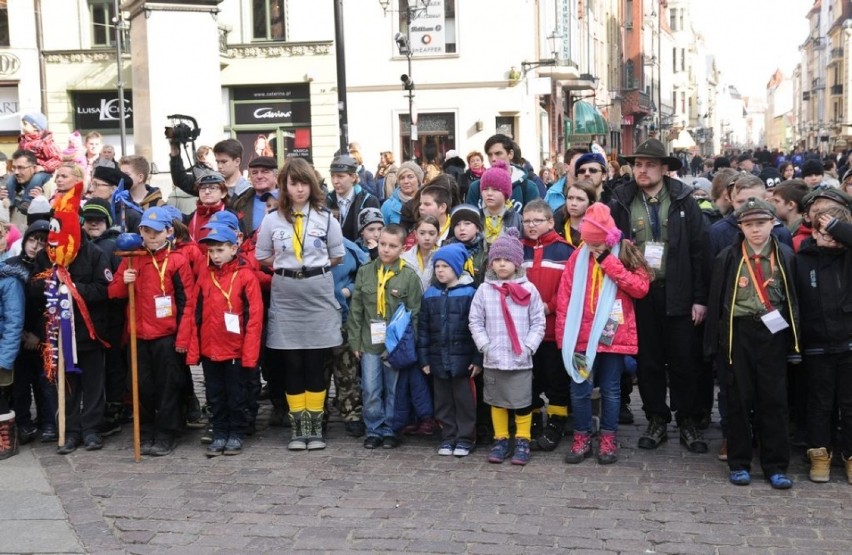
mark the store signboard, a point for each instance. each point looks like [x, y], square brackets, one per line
[428, 36]
[101, 110]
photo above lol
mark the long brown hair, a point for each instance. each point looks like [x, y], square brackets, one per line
[633, 259]
[299, 171]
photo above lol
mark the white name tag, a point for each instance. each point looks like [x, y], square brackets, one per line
[378, 330]
[617, 313]
[654, 255]
[232, 323]
[774, 321]
[163, 306]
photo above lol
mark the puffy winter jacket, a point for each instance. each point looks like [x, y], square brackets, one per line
[12, 300]
[544, 261]
[631, 285]
[215, 342]
[360, 200]
[392, 209]
[178, 283]
[444, 342]
[198, 219]
[43, 146]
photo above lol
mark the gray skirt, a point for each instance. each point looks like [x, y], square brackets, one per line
[303, 313]
[508, 389]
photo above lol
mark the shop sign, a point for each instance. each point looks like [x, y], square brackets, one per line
[9, 63]
[102, 110]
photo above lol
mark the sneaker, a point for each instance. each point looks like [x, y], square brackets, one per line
[373, 442]
[691, 438]
[109, 428]
[723, 451]
[234, 446]
[522, 452]
[740, 477]
[145, 446]
[355, 429]
[655, 434]
[48, 434]
[446, 449]
[462, 449]
[625, 415]
[163, 447]
[499, 451]
[207, 435]
[216, 447]
[704, 422]
[780, 481]
[70, 446]
[93, 442]
[607, 449]
[580, 448]
[27, 433]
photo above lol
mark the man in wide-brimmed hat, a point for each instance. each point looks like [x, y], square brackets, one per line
[663, 219]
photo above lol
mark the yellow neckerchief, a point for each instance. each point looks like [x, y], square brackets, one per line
[420, 258]
[298, 232]
[493, 230]
[161, 271]
[384, 277]
[445, 229]
[597, 284]
[230, 288]
[468, 266]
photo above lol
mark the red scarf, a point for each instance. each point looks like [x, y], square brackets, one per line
[519, 296]
[477, 173]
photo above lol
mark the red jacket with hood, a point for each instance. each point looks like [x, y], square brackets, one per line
[544, 261]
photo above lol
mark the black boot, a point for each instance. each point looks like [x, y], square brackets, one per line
[536, 429]
[553, 432]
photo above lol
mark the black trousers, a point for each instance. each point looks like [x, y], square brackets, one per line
[28, 386]
[757, 380]
[225, 384]
[667, 358]
[84, 400]
[301, 369]
[830, 386]
[550, 377]
[455, 408]
[161, 388]
[117, 369]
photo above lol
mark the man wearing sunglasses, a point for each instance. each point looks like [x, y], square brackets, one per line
[592, 167]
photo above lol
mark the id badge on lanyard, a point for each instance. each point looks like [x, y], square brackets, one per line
[654, 253]
[378, 331]
[163, 306]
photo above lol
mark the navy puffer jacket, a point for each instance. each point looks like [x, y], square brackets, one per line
[444, 342]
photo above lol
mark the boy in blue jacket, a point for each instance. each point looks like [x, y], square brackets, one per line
[445, 349]
[12, 280]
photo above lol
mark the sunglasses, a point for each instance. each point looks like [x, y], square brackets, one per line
[588, 170]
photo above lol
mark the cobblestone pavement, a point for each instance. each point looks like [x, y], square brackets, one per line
[348, 499]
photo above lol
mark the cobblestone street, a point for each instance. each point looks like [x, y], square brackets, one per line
[348, 499]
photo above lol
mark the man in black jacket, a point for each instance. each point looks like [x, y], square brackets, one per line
[661, 216]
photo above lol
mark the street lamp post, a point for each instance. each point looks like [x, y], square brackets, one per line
[119, 83]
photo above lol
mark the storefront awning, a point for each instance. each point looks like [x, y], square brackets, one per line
[587, 120]
[684, 141]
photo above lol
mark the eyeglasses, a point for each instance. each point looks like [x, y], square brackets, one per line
[21, 168]
[589, 170]
[209, 187]
[534, 223]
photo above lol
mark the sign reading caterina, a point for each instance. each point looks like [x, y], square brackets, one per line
[100, 111]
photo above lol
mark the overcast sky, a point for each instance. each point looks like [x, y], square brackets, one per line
[752, 38]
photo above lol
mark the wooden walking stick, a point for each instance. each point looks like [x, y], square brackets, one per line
[134, 366]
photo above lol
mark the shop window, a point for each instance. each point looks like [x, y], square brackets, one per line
[268, 20]
[436, 32]
[505, 125]
[4, 24]
[436, 134]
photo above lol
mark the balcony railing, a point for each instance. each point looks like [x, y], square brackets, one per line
[818, 84]
[837, 89]
[819, 43]
[836, 54]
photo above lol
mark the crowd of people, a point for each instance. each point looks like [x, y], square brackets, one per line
[472, 300]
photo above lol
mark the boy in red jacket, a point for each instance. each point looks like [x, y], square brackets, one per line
[165, 304]
[229, 316]
[545, 255]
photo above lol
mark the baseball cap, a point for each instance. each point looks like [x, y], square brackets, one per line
[219, 234]
[224, 217]
[156, 219]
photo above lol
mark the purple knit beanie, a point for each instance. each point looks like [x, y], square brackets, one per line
[507, 246]
[498, 177]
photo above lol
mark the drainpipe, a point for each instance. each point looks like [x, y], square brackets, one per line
[42, 70]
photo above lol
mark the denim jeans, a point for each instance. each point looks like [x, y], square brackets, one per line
[378, 392]
[607, 375]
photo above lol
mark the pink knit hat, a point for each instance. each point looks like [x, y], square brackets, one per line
[597, 226]
[497, 177]
[507, 246]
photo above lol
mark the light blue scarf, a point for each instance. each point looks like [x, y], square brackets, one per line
[578, 366]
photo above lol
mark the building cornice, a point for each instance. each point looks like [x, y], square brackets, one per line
[78, 56]
[279, 50]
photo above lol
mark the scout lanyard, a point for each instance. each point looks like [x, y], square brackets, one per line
[162, 271]
[384, 277]
[230, 287]
[758, 281]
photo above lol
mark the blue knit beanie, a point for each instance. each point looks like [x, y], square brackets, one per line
[454, 254]
[37, 120]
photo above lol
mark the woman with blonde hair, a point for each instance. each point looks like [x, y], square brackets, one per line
[386, 174]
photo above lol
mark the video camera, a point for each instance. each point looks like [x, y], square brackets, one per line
[181, 133]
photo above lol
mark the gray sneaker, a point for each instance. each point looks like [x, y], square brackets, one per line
[234, 446]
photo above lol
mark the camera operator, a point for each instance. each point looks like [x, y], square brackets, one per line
[228, 154]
